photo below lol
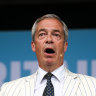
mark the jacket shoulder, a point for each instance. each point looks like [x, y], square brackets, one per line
[87, 84]
[18, 81]
[15, 84]
[87, 78]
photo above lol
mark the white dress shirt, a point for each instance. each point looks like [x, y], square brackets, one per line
[57, 81]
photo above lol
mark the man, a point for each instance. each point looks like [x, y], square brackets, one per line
[50, 34]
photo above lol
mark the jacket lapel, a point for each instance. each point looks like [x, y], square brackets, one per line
[71, 83]
[28, 88]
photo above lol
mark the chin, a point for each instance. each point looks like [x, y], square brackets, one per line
[50, 63]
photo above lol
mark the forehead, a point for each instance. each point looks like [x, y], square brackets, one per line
[49, 22]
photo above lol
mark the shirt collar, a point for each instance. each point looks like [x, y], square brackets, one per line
[58, 73]
[41, 74]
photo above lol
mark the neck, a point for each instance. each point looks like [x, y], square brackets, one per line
[50, 68]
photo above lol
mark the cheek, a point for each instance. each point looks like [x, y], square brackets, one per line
[60, 48]
[39, 48]
[38, 52]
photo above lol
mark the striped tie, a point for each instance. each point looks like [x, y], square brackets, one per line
[49, 89]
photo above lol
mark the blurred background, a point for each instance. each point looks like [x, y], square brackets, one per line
[16, 19]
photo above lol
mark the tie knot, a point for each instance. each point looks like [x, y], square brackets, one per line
[48, 75]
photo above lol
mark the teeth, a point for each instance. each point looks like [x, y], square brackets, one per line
[50, 51]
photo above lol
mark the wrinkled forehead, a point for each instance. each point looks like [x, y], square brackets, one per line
[50, 18]
[50, 22]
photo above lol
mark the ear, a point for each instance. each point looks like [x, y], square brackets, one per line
[33, 46]
[65, 46]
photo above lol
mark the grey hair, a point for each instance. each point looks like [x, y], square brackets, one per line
[65, 29]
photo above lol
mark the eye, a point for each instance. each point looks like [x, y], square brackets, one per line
[41, 34]
[57, 35]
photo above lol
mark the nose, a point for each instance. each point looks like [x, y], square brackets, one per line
[49, 39]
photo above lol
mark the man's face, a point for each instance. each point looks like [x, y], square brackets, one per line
[49, 44]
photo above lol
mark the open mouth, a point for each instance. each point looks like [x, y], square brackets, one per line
[49, 51]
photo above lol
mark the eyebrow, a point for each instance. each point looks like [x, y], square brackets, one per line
[54, 30]
[42, 30]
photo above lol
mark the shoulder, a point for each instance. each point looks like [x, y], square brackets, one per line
[87, 81]
[19, 81]
[86, 78]
[83, 79]
[15, 84]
